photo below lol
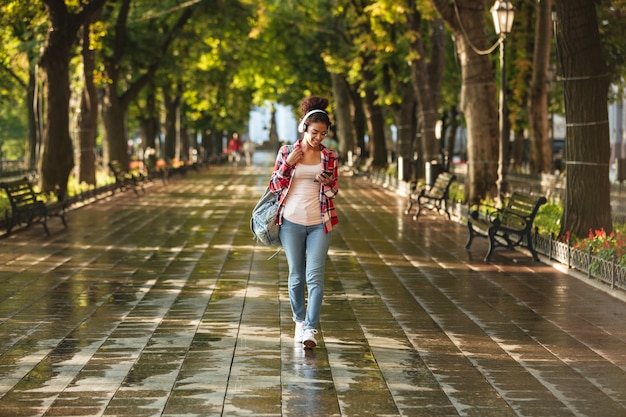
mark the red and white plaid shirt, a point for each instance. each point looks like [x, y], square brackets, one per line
[281, 180]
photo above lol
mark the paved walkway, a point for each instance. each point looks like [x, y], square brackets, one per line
[162, 306]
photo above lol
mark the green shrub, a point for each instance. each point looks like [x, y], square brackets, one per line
[548, 219]
[456, 192]
[73, 188]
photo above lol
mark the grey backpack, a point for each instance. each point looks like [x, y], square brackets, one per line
[263, 220]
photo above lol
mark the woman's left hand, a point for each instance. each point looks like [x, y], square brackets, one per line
[324, 178]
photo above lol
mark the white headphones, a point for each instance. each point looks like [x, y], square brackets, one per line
[302, 125]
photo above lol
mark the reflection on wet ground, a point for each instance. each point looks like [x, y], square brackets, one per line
[160, 305]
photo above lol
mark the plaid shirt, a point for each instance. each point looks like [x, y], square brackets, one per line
[280, 182]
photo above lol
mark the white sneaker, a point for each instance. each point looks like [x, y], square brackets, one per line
[299, 332]
[308, 338]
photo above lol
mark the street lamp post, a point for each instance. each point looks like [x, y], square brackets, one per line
[503, 14]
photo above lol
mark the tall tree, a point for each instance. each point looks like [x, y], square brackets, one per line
[585, 83]
[87, 120]
[283, 59]
[57, 158]
[26, 23]
[520, 47]
[344, 130]
[377, 146]
[426, 74]
[147, 115]
[361, 37]
[202, 78]
[127, 76]
[392, 41]
[540, 145]
[466, 18]
[172, 96]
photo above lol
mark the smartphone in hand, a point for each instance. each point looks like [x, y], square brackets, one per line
[325, 173]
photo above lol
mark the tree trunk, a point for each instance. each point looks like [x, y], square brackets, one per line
[115, 145]
[57, 156]
[218, 143]
[115, 108]
[185, 136]
[452, 129]
[57, 153]
[172, 141]
[88, 117]
[538, 124]
[376, 130]
[585, 77]
[426, 78]
[206, 142]
[405, 117]
[343, 122]
[274, 140]
[149, 123]
[34, 136]
[358, 116]
[478, 96]
[517, 151]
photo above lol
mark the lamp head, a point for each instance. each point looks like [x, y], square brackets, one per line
[503, 14]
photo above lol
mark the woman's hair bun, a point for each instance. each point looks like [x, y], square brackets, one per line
[313, 103]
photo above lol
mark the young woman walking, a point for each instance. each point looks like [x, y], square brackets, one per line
[306, 179]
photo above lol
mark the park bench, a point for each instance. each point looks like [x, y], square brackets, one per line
[154, 170]
[433, 198]
[510, 226]
[125, 179]
[27, 207]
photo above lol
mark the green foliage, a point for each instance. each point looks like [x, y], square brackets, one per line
[451, 83]
[12, 149]
[282, 56]
[205, 63]
[456, 192]
[103, 177]
[4, 203]
[23, 32]
[548, 219]
[612, 27]
[13, 127]
[234, 54]
[519, 65]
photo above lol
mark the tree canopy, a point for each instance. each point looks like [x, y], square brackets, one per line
[172, 71]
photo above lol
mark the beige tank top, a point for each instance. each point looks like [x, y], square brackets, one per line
[302, 205]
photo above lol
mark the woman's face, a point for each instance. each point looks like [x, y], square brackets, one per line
[315, 134]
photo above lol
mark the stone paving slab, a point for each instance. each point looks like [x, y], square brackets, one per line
[161, 305]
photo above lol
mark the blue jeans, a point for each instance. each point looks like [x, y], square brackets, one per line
[306, 248]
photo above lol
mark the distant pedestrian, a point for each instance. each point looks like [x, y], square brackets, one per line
[234, 148]
[248, 150]
[306, 181]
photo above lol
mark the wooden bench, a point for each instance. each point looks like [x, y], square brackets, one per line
[28, 208]
[124, 179]
[433, 198]
[509, 227]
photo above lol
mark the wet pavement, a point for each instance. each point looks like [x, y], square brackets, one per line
[161, 305]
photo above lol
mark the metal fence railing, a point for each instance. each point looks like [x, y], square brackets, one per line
[608, 271]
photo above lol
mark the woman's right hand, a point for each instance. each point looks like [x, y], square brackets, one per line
[294, 157]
